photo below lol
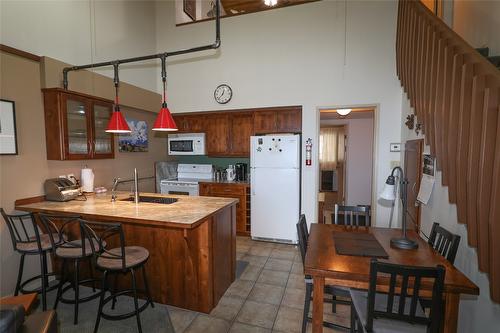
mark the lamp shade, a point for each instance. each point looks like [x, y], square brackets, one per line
[164, 121]
[388, 192]
[117, 123]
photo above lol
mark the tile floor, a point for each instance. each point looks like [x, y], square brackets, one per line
[268, 296]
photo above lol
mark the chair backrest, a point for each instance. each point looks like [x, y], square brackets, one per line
[64, 235]
[97, 232]
[409, 280]
[352, 215]
[303, 236]
[22, 229]
[444, 242]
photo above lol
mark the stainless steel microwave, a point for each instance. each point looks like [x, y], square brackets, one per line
[186, 144]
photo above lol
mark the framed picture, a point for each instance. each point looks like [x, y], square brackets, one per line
[8, 138]
[137, 140]
[189, 7]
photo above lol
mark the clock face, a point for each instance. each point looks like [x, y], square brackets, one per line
[223, 94]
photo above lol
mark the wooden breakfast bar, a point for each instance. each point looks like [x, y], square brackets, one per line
[192, 242]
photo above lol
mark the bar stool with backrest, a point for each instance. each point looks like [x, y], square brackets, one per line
[303, 235]
[399, 309]
[71, 249]
[27, 240]
[119, 260]
[352, 215]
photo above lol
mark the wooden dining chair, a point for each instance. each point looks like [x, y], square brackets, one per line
[303, 235]
[398, 310]
[352, 215]
[445, 242]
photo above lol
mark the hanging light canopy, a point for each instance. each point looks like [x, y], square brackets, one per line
[164, 121]
[344, 112]
[117, 123]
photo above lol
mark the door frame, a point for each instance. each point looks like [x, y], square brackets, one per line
[375, 164]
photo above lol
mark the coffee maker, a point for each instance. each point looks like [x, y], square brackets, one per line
[241, 171]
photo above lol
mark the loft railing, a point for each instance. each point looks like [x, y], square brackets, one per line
[455, 94]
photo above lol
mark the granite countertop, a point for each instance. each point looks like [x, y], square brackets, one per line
[187, 212]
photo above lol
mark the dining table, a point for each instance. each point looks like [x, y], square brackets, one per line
[327, 267]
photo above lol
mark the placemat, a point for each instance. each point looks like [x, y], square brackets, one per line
[358, 244]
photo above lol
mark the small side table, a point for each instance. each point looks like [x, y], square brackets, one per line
[26, 300]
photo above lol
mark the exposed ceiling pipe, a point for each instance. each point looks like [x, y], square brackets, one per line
[213, 46]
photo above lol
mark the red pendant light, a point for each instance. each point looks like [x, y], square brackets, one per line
[164, 122]
[117, 123]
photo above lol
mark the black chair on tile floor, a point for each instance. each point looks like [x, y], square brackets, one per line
[71, 249]
[398, 312]
[120, 260]
[303, 235]
[28, 240]
[444, 242]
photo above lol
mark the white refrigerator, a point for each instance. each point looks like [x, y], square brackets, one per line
[275, 187]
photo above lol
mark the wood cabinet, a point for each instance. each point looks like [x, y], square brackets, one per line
[75, 125]
[190, 124]
[278, 120]
[228, 133]
[239, 191]
[217, 134]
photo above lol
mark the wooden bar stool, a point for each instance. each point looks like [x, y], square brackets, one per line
[119, 260]
[27, 240]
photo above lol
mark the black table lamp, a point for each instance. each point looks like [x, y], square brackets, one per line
[389, 193]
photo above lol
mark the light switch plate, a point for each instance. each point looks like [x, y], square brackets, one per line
[395, 147]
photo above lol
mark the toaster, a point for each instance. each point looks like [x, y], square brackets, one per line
[60, 189]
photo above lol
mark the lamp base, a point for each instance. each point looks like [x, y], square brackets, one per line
[404, 243]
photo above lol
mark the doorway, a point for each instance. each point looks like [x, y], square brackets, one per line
[346, 150]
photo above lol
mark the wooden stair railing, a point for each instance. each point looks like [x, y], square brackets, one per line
[455, 94]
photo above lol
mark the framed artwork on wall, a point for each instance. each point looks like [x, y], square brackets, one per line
[189, 7]
[137, 140]
[8, 137]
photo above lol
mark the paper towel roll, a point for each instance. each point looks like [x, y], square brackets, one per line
[87, 180]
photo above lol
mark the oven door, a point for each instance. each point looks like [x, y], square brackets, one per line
[179, 188]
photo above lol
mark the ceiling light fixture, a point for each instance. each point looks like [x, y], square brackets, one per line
[270, 3]
[117, 123]
[344, 112]
[164, 121]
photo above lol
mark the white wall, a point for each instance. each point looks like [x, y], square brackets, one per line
[81, 32]
[359, 159]
[478, 22]
[476, 314]
[294, 56]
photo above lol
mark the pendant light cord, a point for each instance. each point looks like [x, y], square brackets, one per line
[164, 79]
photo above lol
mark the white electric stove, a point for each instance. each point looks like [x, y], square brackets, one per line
[188, 178]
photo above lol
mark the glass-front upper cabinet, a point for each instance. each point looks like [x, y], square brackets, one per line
[75, 125]
[103, 142]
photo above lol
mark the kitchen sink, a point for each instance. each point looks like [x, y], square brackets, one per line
[159, 200]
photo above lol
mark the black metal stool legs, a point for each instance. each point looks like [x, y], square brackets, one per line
[146, 286]
[62, 280]
[101, 300]
[19, 275]
[43, 268]
[136, 303]
[77, 290]
[307, 304]
[91, 274]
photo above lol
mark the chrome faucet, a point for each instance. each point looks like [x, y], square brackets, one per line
[113, 189]
[136, 187]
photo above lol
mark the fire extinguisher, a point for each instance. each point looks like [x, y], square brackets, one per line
[309, 151]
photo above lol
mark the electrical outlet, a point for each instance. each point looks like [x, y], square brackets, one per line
[395, 164]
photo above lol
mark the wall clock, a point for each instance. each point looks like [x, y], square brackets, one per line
[223, 94]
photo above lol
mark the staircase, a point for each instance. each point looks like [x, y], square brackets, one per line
[485, 51]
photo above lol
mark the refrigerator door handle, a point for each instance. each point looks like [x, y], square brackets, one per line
[252, 180]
